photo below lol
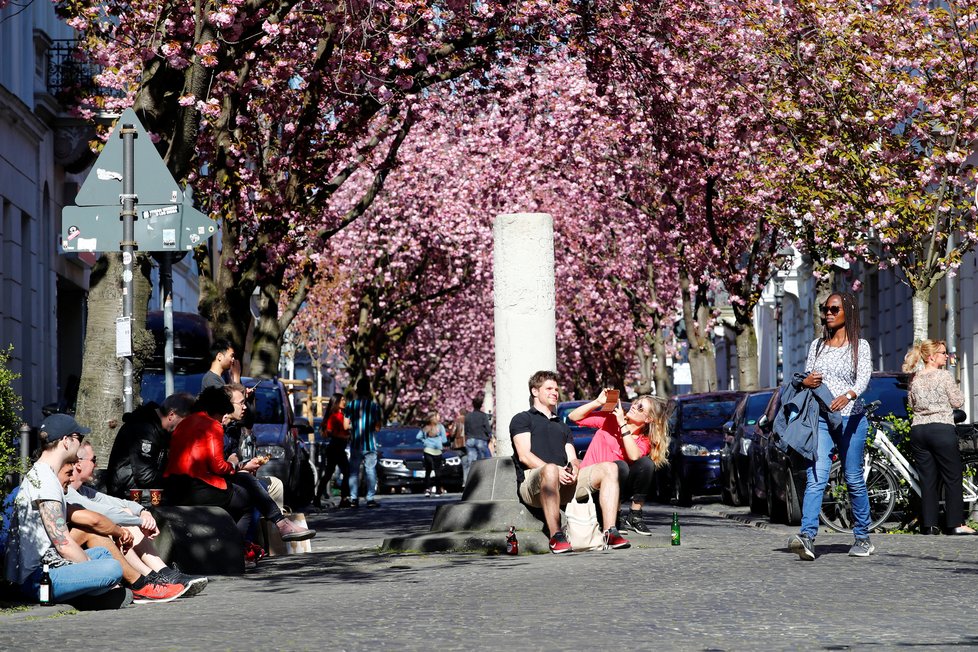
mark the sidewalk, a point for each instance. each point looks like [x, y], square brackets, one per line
[729, 586]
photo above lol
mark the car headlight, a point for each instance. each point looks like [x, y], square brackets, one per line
[745, 446]
[453, 461]
[274, 452]
[694, 450]
[393, 464]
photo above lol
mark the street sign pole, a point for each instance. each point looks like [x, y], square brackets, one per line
[128, 245]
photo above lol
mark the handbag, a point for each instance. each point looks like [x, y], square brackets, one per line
[273, 539]
[583, 530]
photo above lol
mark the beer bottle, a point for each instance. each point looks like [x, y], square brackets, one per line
[44, 587]
[512, 545]
[675, 529]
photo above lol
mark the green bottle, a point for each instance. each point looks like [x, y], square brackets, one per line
[675, 529]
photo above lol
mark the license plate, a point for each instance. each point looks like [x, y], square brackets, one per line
[419, 474]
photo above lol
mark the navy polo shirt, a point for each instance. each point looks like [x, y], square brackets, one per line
[548, 438]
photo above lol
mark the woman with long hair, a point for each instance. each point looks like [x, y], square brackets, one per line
[934, 443]
[433, 438]
[841, 361]
[336, 430]
[637, 441]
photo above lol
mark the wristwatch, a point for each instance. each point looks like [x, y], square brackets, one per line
[851, 395]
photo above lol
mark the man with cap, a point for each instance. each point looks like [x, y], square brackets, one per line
[39, 535]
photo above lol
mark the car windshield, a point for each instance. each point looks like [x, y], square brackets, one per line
[756, 404]
[891, 392]
[707, 415]
[153, 386]
[402, 437]
[268, 407]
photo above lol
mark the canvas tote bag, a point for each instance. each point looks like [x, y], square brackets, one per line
[583, 530]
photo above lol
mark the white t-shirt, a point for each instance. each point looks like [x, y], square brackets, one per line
[31, 542]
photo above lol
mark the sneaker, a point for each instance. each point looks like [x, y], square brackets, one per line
[803, 546]
[253, 553]
[292, 532]
[373, 503]
[345, 503]
[194, 583]
[862, 548]
[427, 493]
[354, 503]
[614, 540]
[117, 598]
[637, 524]
[559, 543]
[152, 592]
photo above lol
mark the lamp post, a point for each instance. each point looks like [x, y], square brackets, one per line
[778, 299]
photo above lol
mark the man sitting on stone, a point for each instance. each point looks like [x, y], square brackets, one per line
[39, 534]
[140, 450]
[547, 468]
[131, 516]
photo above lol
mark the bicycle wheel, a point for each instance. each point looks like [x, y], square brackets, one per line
[882, 487]
[969, 466]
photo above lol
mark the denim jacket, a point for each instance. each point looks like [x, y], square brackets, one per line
[796, 423]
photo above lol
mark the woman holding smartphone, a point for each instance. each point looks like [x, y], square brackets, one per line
[637, 442]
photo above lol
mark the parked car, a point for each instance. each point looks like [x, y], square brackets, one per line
[696, 426]
[785, 472]
[738, 435]
[400, 462]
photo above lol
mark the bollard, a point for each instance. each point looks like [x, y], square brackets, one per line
[25, 449]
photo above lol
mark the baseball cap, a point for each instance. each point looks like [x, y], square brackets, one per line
[59, 426]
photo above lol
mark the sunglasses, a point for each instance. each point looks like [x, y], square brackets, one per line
[638, 408]
[835, 310]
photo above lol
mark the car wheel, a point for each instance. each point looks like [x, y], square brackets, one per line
[734, 487]
[792, 505]
[775, 507]
[680, 492]
[726, 496]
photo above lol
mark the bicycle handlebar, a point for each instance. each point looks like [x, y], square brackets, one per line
[869, 408]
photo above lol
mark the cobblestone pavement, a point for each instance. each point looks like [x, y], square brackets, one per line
[729, 586]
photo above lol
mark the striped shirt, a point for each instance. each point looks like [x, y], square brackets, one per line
[364, 415]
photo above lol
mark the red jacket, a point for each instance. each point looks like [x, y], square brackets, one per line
[197, 450]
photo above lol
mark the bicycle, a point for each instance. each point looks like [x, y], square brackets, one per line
[883, 465]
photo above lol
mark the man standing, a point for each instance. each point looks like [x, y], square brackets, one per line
[139, 453]
[40, 535]
[365, 419]
[547, 467]
[224, 367]
[478, 431]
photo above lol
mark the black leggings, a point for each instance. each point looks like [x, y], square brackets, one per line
[635, 479]
[335, 457]
[432, 467]
[935, 451]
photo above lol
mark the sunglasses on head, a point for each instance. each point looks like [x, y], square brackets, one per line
[835, 310]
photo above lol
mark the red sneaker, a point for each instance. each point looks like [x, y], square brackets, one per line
[559, 543]
[614, 540]
[157, 592]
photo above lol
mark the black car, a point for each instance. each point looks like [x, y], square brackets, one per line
[738, 435]
[400, 462]
[696, 426]
[784, 473]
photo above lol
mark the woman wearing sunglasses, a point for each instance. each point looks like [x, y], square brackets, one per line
[840, 360]
[637, 442]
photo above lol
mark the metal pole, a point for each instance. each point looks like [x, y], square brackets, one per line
[128, 246]
[25, 447]
[166, 285]
[780, 358]
[951, 327]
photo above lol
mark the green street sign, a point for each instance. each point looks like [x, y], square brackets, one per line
[153, 182]
[157, 227]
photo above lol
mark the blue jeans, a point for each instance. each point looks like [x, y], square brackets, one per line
[475, 449]
[369, 467]
[95, 577]
[851, 443]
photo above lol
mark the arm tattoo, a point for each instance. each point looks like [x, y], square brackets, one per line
[53, 518]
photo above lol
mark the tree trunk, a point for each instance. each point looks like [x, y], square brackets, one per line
[100, 400]
[823, 288]
[702, 356]
[267, 341]
[921, 314]
[747, 355]
[663, 379]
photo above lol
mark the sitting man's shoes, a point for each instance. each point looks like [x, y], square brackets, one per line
[862, 548]
[117, 598]
[559, 543]
[614, 540]
[373, 503]
[152, 592]
[803, 546]
[637, 524]
[292, 532]
[194, 583]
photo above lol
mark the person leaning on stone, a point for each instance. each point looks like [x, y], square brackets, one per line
[130, 515]
[547, 467]
[39, 534]
[478, 432]
[139, 453]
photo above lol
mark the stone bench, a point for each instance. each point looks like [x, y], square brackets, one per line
[199, 540]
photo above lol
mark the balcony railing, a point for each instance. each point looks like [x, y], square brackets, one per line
[70, 78]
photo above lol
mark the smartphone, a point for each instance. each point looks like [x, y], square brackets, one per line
[610, 400]
[257, 384]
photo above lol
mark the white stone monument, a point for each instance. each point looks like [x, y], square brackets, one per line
[525, 324]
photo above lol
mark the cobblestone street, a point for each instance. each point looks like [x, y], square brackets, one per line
[729, 586]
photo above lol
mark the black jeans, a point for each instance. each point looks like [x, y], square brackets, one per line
[635, 479]
[432, 467]
[335, 457]
[938, 459]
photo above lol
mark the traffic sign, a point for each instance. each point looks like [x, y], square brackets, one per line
[160, 227]
[153, 182]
